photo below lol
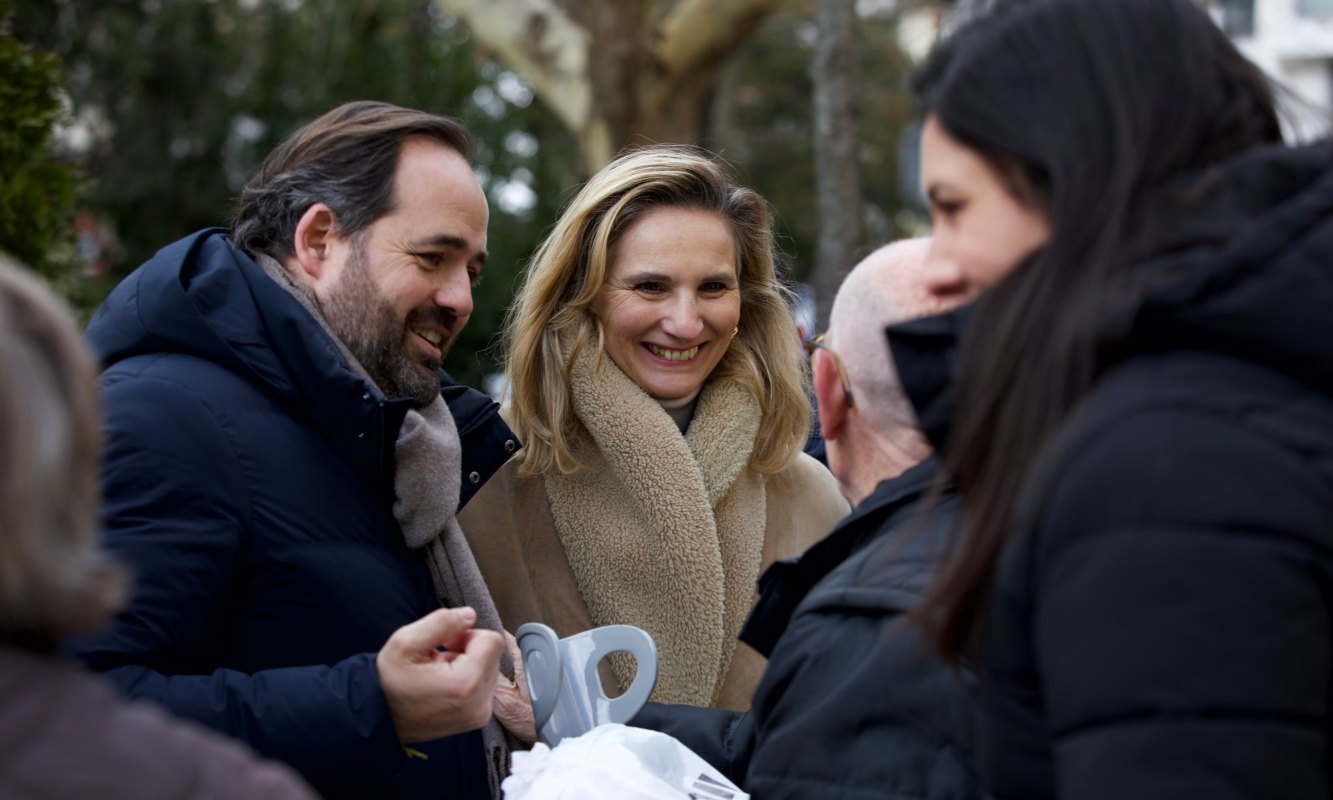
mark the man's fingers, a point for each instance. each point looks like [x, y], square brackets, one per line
[439, 628]
[484, 648]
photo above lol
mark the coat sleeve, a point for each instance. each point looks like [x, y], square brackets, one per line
[176, 513]
[722, 738]
[1180, 614]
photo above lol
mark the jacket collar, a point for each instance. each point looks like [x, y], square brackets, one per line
[925, 354]
[696, 511]
[786, 583]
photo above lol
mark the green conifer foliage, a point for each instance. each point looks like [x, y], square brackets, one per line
[36, 188]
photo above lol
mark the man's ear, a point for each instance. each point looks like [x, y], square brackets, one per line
[829, 395]
[312, 243]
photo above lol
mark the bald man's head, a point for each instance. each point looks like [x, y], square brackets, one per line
[886, 288]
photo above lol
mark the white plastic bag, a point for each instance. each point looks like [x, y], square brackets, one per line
[616, 762]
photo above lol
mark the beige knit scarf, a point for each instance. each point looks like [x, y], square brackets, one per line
[427, 476]
[664, 531]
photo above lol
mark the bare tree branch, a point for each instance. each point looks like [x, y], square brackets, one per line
[607, 71]
[537, 39]
[699, 34]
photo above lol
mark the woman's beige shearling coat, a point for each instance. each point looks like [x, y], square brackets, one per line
[663, 531]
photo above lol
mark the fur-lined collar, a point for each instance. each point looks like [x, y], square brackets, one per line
[664, 531]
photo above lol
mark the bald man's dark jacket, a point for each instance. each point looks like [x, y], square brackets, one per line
[851, 705]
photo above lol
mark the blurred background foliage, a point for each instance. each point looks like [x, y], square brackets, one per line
[37, 189]
[127, 124]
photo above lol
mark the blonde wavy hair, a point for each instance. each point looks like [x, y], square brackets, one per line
[53, 580]
[552, 321]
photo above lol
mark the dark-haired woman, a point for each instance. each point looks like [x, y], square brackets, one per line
[1144, 431]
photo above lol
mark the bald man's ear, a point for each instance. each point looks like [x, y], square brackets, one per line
[829, 395]
[312, 243]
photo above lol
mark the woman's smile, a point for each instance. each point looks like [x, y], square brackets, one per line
[671, 300]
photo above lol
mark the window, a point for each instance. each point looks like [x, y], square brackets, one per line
[1319, 9]
[1237, 17]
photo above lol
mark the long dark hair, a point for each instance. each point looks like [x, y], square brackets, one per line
[1103, 114]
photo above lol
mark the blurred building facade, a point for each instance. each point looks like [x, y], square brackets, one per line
[1293, 41]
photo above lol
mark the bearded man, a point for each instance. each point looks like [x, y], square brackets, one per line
[282, 470]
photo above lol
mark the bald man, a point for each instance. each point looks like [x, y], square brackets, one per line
[852, 703]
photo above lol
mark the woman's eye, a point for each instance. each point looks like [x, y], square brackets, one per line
[948, 209]
[474, 277]
[649, 287]
[714, 287]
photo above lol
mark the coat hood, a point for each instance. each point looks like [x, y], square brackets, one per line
[202, 297]
[1248, 273]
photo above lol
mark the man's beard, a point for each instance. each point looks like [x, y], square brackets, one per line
[371, 329]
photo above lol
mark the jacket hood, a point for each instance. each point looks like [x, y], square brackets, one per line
[203, 297]
[1249, 272]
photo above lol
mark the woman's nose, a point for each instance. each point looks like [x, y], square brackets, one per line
[943, 278]
[682, 319]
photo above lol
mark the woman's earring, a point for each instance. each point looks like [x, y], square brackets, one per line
[735, 331]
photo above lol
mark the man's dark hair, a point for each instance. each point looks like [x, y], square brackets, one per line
[346, 159]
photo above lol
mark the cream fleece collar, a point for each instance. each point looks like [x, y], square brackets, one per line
[664, 531]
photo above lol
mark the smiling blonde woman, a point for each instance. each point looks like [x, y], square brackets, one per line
[657, 384]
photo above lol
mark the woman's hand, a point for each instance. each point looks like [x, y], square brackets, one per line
[512, 705]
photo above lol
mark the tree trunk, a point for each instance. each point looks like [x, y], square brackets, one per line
[837, 177]
[617, 72]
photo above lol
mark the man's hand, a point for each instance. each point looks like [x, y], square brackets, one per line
[434, 693]
[513, 706]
